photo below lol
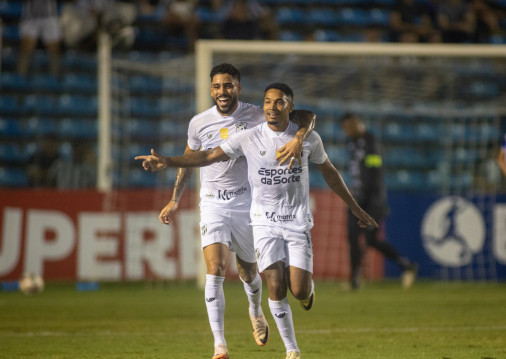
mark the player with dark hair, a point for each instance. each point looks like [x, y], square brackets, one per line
[225, 199]
[280, 211]
[368, 188]
[501, 160]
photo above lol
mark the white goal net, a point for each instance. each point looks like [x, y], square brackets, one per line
[439, 111]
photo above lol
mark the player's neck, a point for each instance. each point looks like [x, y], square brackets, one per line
[278, 127]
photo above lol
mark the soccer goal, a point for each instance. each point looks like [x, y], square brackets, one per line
[438, 109]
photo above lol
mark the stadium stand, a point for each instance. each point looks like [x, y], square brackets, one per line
[66, 106]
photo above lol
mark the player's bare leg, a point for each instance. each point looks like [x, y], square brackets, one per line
[301, 285]
[248, 273]
[277, 284]
[216, 257]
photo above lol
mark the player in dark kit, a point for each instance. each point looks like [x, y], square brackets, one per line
[368, 188]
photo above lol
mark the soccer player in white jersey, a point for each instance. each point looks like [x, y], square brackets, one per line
[280, 213]
[225, 200]
[501, 159]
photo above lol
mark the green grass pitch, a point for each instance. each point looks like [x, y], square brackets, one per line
[432, 320]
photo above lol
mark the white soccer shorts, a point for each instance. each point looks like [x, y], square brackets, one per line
[48, 29]
[230, 227]
[274, 244]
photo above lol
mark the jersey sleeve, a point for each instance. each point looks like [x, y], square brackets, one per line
[193, 138]
[233, 147]
[317, 153]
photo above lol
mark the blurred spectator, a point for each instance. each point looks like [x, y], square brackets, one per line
[247, 20]
[501, 159]
[181, 15]
[487, 21]
[456, 20]
[82, 19]
[39, 19]
[80, 172]
[410, 21]
[40, 163]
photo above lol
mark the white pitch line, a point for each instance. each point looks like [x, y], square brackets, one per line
[237, 332]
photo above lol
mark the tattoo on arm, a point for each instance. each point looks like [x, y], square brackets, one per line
[183, 174]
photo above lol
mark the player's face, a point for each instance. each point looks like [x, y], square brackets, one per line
[277, 108]
[225, 93]
[351, 128]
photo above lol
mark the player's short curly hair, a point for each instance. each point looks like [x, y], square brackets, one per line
[226, 69]
[282, 87]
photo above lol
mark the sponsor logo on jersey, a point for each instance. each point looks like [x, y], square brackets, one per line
[262, 153]
[239, 126]
[280, 175]
[209, 300]
[273, 217]
[227, 195]
[280, 315]
[257, 253]
[224, 133]
[209, 135]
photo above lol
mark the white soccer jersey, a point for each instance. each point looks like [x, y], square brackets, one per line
[280, 196]
[223, 183]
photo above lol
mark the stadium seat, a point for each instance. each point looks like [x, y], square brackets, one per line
[9, 105]
[40, 105]
[379, 17]
[288, 15]
[322, 17]
[46, 83]
[326, 35]
[11, 128]
[36, 127]
[394, 131]
[145, 85]
[351, 16]
[10, 9]
[10, 153]
[287, 35]
[78, 128]
[79, 83]
[13, 177]
[12, 81]
[75, 105]
[139, 178]
[142, 129]
[10, 33]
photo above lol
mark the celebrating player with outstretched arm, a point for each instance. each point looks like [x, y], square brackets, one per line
[280, 213]
[225, 198]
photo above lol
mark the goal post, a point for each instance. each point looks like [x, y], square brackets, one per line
[438, 108]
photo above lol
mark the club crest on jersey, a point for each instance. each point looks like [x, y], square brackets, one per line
[262, 153]
[224, 133]
[239, 126]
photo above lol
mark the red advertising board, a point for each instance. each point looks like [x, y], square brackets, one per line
[89, 235]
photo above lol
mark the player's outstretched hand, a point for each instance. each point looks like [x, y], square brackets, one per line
[291, 151]
[364, 220]
[153, 162]
[167, 215]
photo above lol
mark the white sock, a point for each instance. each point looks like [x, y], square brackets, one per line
[215, 303]
[254, 293]
[282, 314]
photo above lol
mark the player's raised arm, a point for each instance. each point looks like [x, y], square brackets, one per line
[336, 183]
[156, 162]
[293, 149]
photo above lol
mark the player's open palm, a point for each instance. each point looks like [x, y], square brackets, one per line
[153, 162]
[167, 214]
[364, 220]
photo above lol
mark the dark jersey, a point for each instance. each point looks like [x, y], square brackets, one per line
[366, 173]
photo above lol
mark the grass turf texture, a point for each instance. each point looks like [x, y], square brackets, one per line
[432, 320]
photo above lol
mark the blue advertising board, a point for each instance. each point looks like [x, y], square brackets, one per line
[450, 237]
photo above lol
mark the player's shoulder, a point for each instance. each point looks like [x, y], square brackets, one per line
[202, 116]
[250, 112]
